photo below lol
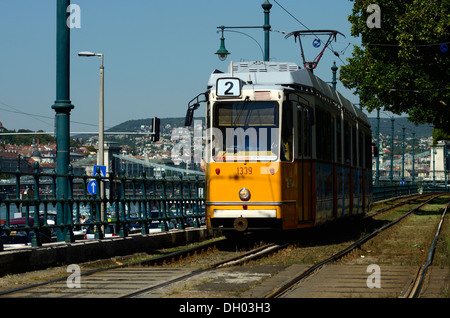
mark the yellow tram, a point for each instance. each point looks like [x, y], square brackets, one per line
[284, 150]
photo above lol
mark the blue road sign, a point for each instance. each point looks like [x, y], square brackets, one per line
[316, 43]
[92, 187]
[102, 170]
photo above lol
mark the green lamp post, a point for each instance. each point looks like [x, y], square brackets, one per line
[222, 52]
[62, 107]
[334, 69]
[266, 6]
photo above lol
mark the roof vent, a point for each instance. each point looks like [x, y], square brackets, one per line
[282, 67]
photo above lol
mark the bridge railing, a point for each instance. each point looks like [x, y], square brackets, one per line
[31, 210]
[386, 191]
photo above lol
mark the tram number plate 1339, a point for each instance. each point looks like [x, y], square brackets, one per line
[244, 170]
[228, 87]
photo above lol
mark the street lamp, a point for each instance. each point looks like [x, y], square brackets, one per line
[101, 128]
[222, 52]
[100, 154]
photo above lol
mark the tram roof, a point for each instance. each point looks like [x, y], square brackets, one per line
[272, 75]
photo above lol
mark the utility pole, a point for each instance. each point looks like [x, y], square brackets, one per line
[391, 173]
[377, 177]
[403, 156]
[434, 166]
[413, 155]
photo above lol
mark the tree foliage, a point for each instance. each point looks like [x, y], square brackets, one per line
[26, 139]
[402, 66]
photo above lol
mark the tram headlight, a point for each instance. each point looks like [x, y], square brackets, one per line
[244, 194]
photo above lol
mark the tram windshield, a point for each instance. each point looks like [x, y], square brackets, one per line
[245, 131]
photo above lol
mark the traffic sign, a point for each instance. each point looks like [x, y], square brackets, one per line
[92, 187]
[316, 43]
[102, 170]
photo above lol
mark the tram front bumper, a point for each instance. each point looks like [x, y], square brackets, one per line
[245, 219]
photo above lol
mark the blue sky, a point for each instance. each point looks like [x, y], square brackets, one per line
[158, 54]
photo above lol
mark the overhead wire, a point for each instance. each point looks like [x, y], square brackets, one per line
[17, 111]
[328, 47]
[399, 45]
[373, 44]
[35, 116]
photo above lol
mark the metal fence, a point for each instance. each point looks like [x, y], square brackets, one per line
[30, 210]
[386, 191]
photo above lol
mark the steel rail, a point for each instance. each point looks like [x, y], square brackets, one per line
[154, 260]
[417, 287]
[250, 255]
[283, 289]
[409, 198]
[244, 257]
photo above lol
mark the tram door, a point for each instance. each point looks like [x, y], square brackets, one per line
[305, 121]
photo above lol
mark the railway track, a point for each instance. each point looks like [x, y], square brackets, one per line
[136, 279]
[292, 284]
[161, 276]
[419, 282]
[395, 203]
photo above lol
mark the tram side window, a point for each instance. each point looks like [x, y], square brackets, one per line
[307, 134]
[299, 132]
[320, 134]
[324, 135]
[304, 127]
[347, 142]
[331, 140]
[360, 149]
[354, 153]
[368, 150]
[287, 132]
[339, 139]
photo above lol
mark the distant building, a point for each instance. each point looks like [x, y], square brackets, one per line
[440, 160]
[11, 161]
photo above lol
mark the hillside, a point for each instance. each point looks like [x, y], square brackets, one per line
[399, 123]
[134, 125]
[385, 125]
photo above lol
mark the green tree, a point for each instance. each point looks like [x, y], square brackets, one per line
[403, 66]
[439, 134]
[26, 139]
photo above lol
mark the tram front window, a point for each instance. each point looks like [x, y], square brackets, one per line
[246, 131]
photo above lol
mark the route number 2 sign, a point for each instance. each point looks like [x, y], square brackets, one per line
[228, 87]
